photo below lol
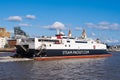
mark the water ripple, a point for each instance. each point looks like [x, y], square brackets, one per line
[66, 69]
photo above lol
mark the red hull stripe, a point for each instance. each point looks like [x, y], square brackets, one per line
[69, 57]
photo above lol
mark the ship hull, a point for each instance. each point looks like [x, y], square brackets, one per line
[57, 52]
[67, 52]
[72, 57]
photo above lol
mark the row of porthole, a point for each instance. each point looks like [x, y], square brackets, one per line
[65, 45]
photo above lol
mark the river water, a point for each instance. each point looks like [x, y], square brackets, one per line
[66, 69]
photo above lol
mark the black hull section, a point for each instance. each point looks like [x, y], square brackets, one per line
[74, 52]
[21, 52]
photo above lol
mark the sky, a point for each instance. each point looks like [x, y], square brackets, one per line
[100, 18]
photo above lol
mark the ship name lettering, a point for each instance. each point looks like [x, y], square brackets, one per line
[74, 52]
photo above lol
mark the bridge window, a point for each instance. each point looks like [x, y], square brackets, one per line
[47, 40]
[80, 41]
[68, 41]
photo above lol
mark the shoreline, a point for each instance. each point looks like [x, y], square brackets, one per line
[7, 49]
[113, 50]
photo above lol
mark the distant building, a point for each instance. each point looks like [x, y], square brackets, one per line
[4, 33]
[3, 42]
[4, 36]
[18, 35]
[12, 43]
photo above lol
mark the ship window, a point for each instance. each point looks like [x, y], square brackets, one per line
[47, 40]
[69, 45]
[71, 38]
[65, 45]
[65, 37]
[68, 41]
[39, 40]
[44, 45]
[50, 45]
[80, 42]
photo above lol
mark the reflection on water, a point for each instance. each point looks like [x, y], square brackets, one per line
[66, 69]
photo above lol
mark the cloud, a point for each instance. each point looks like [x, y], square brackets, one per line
[30, 16]
[111, 41]
[90, 25]
[24, 24]
[78, 28]
[56, 25]
[93, 34]
[14, 18]
[104, 25]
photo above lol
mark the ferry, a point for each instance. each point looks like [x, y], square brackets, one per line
[61, 46]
